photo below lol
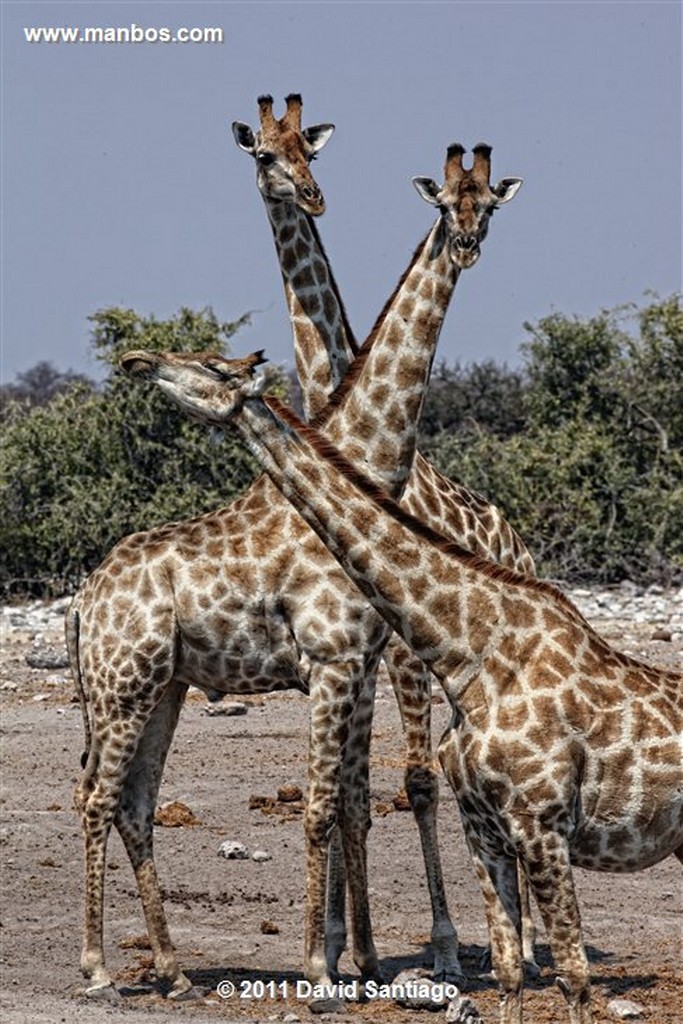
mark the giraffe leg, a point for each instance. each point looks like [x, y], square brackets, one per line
[134, 820]
[97, 798]
[498, 880]
[528, 928]
[335, 916]
[354, 816]
[412, 684]
[550, 877]
[333, 688]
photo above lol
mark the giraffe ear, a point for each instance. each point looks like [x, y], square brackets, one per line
[506, 189]
[318, 135]
[244, 136]
[428, 189]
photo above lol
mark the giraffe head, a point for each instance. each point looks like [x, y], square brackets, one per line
[205, 385]
[467, 200]
[283, 151]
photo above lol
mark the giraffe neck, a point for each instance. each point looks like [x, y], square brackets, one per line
[376, 411]
[367, 534]
[324, 344]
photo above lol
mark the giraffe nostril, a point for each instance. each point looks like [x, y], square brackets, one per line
[466, 242]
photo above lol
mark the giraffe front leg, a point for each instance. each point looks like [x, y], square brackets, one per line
[134, 821]
[335, 916]
[412, 684]
[354, 817]
[552, 883]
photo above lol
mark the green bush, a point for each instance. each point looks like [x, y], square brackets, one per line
[92, 465]
[594, 481]
[581, 448]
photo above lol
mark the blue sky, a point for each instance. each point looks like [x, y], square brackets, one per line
[122, 184]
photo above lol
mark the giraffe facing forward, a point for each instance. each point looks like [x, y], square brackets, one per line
[325, 348]
[560, 750]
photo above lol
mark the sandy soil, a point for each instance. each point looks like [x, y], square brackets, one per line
[241, 920]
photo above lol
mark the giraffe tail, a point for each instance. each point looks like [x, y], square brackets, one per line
[72, 627]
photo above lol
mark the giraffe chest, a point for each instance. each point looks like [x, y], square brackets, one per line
[268, 626]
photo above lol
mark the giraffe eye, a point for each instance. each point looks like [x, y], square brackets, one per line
[266, 159]
[217, 370]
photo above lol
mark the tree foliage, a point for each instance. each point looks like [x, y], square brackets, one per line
[594, 480]
[581, 447]
[92, 465]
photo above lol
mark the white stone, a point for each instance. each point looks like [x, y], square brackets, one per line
[232, 850]
[625, 1009]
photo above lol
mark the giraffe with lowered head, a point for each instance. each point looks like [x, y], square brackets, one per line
[561, 751]
[246, 599]
[325, 347]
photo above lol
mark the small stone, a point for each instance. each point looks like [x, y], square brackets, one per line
[661, 634]
[269, 928]
[462, 1010]
[401, 801]
[331, 1005]
[290, 1018]
[47, 657]
[232, 850]
[625, 1009]
[289, 794]
[9, 687]
[260, 856]
[175, 814]
[421, 992]
[231, 709]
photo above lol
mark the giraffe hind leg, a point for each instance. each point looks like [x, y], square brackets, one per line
[134, 822]
[412, 684]
[550, 877]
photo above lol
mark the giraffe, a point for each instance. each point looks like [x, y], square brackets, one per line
[154, 618]
[324, 344]
[324, 348]
[561, 750]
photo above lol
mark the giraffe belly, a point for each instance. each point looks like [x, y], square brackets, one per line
[629, 838]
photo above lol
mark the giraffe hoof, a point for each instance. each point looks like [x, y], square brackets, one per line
[327, 1006]
[531, 970]
[104, 993]
[183, 989]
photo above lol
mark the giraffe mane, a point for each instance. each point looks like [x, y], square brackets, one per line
[499, 573]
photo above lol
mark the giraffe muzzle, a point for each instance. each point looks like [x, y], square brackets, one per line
[465, 251]
[310, 198]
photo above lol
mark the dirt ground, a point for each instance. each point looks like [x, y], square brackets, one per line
[240, 920]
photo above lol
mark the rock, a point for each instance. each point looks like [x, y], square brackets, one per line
[260, 856]
[47, 657]
[625, 1009]
[232, 850]
[421, 993]
[401, 801]
[661, 634]
[330, 1005]
[289, 794]
[269, 928]
[175, 814]
[462, 1010]
[230, 709]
